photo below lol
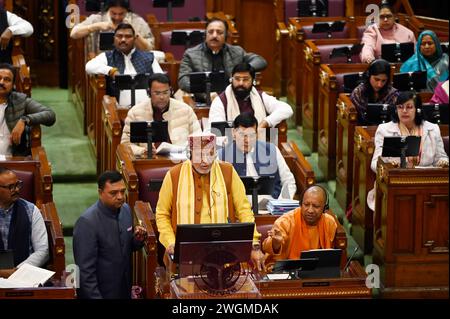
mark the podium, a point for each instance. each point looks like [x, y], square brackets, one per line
[411, 231]
[186, 288]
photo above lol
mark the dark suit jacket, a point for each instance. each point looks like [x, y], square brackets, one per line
[102, 246]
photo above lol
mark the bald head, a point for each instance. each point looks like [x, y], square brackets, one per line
[313, 204]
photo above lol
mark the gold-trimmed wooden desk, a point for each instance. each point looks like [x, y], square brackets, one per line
[38, 293]
[351, 285]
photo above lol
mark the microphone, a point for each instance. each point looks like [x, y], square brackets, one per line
[350, 259]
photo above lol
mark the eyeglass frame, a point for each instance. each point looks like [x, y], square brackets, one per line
[12, 187]
[407, 107]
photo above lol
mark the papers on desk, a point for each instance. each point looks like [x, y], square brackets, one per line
[2, 158]
[167, 148]
[27, 276]
[278, 276]
[281, 206]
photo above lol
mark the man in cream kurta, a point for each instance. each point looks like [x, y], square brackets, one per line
[203, 190]
[181, 119]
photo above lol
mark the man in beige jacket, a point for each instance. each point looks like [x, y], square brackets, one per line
[181, 118]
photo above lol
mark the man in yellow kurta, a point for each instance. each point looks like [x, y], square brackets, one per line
[305, 228]
[203, 190]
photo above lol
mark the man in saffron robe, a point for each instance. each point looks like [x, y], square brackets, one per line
[304, 228]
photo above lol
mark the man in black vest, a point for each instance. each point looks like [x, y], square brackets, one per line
[22, 228]
[124, 59]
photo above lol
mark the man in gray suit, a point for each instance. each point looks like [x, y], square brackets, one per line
[215, 55]
[103, 241]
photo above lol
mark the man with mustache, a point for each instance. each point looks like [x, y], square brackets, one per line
[215, 55]
[203, 190]
[115, 13]
[242, 97]
[22, 228]
[124, 59]
[104, 239]
[17, 113]
[304, 228]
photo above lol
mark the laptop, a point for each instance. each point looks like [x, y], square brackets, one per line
[6, 259]
[328, 265]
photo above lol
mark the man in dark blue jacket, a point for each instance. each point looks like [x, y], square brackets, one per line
[103, 241]
[251, 157]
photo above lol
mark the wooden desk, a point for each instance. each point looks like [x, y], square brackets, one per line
[347, 119]
[363, 181]
[38, 293]
[110, 133]
[130, 167]
[310, 85]
[329, 88]
[351, 285]
[298, 165]
[411, 231]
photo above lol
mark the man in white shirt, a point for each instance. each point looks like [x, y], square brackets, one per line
[241, 96]
[11, 25]
[256, 158]
[22, 228]
[124, 59]
[116, 12]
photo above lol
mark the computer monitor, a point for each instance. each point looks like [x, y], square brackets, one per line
[169, 4]
[6, 259]
[258, 185]
[347, 51]
[328, 265]
[221, 127]
[329, 27]
[410, 81]
[312, 8]
[397, 52]
[352, 80]
[378, 113]
[106, 41]
[213, 233]
[435, 113]
[293, 266]
[401, 146]
[187, 38]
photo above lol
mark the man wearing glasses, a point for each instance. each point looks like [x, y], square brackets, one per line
[124, 59]
[242, 97]
[181, 119]
[22, 227]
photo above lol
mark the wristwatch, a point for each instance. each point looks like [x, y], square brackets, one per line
[26, 119]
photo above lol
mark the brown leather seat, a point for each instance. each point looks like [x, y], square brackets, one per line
[145, 176]
[27, 192]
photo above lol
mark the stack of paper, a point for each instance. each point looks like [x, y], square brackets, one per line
[281, 206]
[26, 276]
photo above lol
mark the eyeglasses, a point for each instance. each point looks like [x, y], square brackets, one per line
[163, 93]
[14, 186]
[386, 16]
[246, 79]
[405, 107]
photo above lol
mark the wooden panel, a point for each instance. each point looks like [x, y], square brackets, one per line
[404, 218]
[260, 40]
[327, 101]
[346, 122]
[412, 256]
[363, 181]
